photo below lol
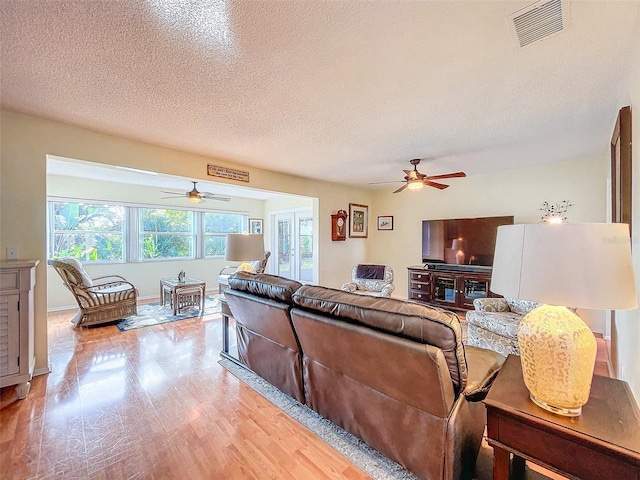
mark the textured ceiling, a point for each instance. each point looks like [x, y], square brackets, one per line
[343, 91]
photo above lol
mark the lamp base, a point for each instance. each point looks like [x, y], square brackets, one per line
[246, 267]
[567, 412]
[558, 353]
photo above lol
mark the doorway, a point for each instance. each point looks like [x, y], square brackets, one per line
[293, 237]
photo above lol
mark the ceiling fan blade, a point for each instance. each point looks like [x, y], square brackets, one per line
[447, 175]
[401, 188]
[213, 196]
[392, 181]
[175, 193]
[441, 186]
[180, 196]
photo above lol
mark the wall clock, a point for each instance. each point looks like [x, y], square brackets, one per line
[339, 226]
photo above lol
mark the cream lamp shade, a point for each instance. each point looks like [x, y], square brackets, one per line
[244, 247]
[582, 265]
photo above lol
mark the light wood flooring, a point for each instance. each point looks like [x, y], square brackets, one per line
[152, 403]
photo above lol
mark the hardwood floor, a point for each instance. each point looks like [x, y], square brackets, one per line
[154, 403]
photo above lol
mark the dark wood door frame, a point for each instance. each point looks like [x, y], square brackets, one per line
[621, 168]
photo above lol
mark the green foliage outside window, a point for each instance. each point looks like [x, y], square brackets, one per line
[87, 232]
[166, 233]
[216, 227]
[101, 232]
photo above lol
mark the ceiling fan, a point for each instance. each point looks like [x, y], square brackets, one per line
[415, 180]
[195, 196]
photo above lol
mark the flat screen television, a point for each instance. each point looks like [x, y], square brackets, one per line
[461, 241]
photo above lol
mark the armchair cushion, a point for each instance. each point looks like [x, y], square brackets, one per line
[494, 323]
[77, 274]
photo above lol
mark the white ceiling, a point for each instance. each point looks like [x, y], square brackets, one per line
[343, 91]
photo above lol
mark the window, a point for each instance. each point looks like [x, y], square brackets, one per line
[103, 232]
[88, 232]
[216, 226]
[166, 234]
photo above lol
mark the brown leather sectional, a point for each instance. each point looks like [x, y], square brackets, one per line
[393, 373]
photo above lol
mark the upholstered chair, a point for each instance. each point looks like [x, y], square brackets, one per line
[373, 280]
[101, 299]
[223, 277]
[494, 323]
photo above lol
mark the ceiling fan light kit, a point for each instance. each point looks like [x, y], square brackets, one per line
[194, 196]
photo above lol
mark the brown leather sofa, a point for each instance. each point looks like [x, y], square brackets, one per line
[267, 344]
[393, 373]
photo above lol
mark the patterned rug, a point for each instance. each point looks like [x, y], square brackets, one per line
[155, 314]
[369, 460]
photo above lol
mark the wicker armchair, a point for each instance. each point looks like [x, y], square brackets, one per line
[100, 300]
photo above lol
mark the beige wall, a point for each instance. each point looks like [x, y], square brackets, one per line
[515, 192]
[27, 140]
[625, 330]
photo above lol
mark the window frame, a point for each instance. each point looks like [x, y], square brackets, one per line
[132, 230]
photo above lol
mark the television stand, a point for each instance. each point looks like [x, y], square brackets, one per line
[453, 287]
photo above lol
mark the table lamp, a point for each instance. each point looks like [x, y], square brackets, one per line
[582, 265]
[244, 247]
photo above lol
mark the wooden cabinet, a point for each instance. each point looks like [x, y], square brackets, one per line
[453, 289]
[17, 358]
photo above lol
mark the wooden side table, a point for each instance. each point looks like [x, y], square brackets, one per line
[189, 292]
[602, 443]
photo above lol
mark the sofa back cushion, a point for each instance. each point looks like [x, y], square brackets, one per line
[267, 343]
[408, 320]
[264, 285]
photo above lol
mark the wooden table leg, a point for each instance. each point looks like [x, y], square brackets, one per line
[517, 468]
[225, 333]
[500, 464]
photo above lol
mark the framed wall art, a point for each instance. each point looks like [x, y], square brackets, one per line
[358, 220]
[255, 225]
[385, 222]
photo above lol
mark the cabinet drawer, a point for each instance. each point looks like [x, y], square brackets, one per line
[9, 280]
[418, 295]
[419, 276]
[421, 286]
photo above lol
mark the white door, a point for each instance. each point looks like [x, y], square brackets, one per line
[293, 234]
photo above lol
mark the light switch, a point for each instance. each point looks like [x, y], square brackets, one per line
[12, 253]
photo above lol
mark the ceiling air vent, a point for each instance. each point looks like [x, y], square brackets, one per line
[538, 21]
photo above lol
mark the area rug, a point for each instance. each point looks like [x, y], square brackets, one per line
[154, 314]
[369, 460]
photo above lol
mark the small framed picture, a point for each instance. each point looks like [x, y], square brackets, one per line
[255, 225]
[385, 223]
[358, 220]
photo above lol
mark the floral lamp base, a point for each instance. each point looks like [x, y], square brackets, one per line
[558, 353]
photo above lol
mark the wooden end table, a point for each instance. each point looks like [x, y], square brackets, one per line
[189, 292]
[602, 443]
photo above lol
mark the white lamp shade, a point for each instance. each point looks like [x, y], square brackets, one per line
[583, 265]
[244, 247]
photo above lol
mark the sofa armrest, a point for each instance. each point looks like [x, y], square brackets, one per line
[349, 287]
[387, 289]
[491, 305]
[482, 367]
[228, 270]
